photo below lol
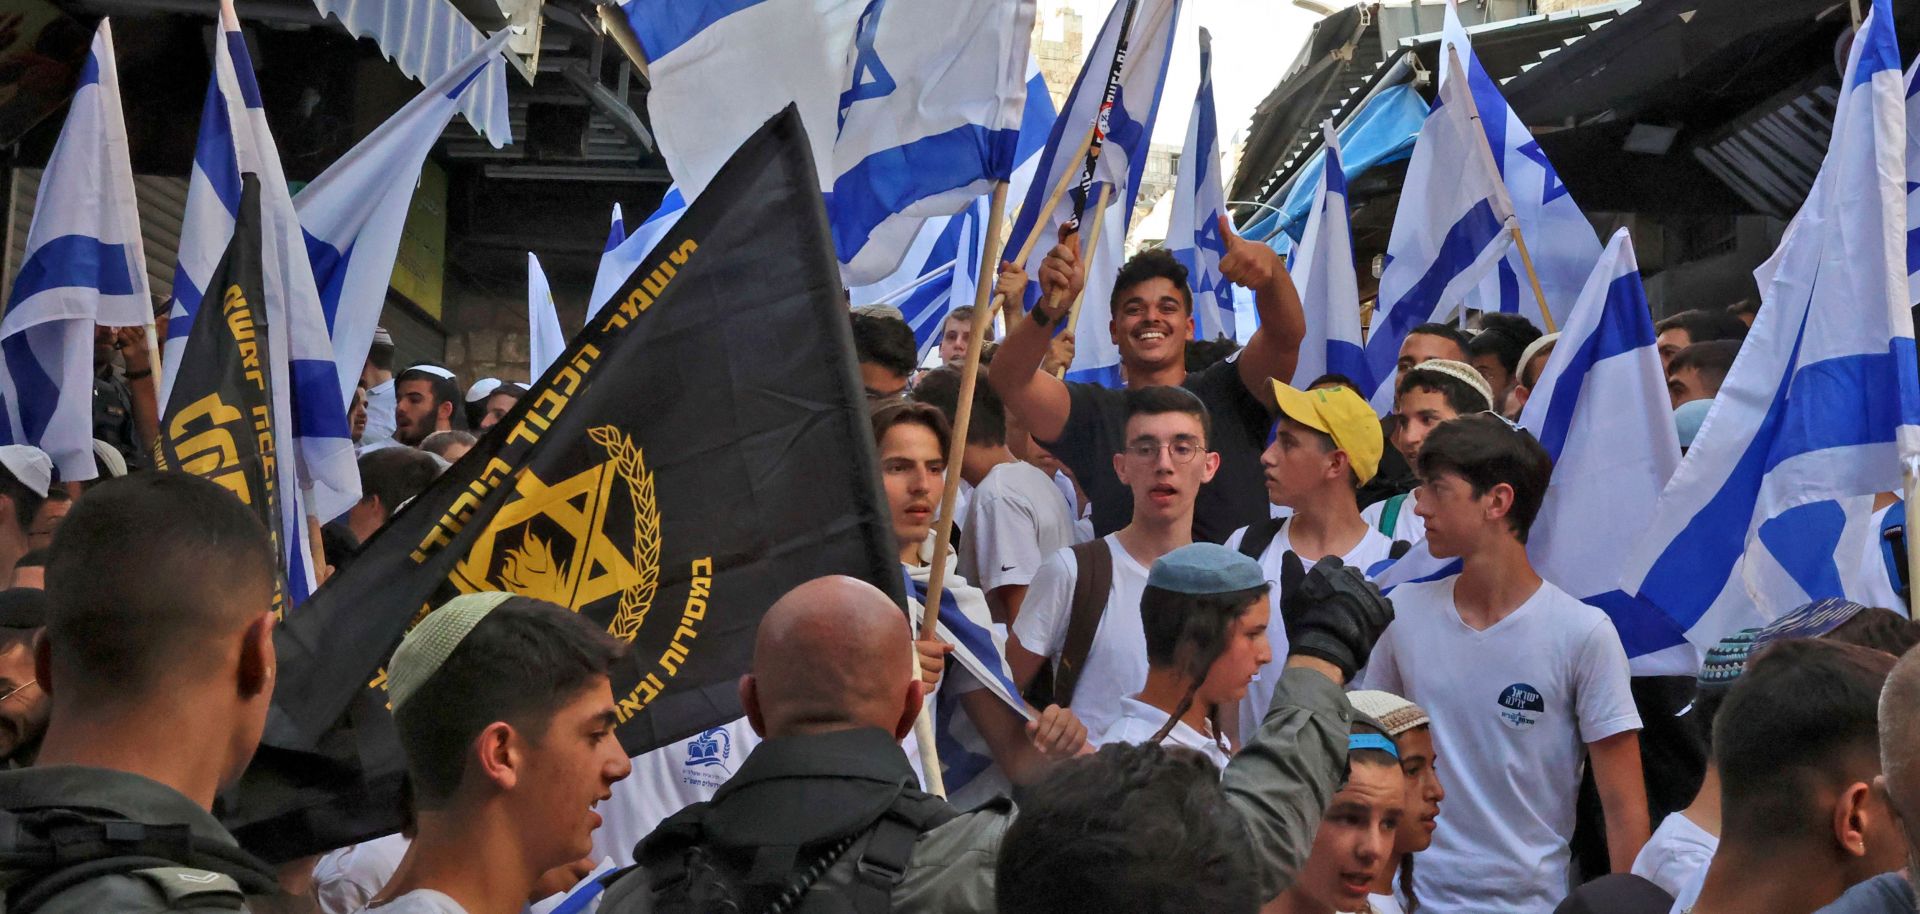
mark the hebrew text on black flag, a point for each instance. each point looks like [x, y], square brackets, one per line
[701, 448]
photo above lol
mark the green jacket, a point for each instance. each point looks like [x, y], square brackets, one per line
[207, 872]
[1280, 783]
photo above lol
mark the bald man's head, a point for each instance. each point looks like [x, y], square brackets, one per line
[1900, 747]
[835, 653]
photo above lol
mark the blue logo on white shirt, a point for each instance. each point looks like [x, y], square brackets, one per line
[1521, 706]
[710, 748]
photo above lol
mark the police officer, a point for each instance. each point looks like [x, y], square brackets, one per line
[825, 814]
[158, 661]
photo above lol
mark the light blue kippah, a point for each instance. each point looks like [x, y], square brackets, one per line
[1205, 568]
[1372, 741]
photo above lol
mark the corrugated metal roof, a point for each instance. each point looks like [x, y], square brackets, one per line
[426, 38]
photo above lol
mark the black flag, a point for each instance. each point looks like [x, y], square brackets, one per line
[219, 421]
[701, 448]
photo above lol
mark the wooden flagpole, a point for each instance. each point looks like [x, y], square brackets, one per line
[1026, 247]
[1910, 475]
[1526, 260]
[1086, 260]
[1454, 71]
[956, 453]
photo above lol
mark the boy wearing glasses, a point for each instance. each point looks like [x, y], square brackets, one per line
[1164, 462]
[1524, 683]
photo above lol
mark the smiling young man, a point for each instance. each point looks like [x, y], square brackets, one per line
[1151, 310]
[1524, 683]
[506, 717]
[1165, 462]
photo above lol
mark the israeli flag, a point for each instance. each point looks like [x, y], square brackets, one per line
[929, 118]
[545, 340]
[84, 265]
[1558, 235]
[1329, 288]
[980, 648]
[1913, 183]
[720, 68]
[1601, 411]
[1128, 128]
[1454, 222]
[619, 261]
[1193, 228]
[354, 212]
[322, 479]
[617, 232]
[1773, 506]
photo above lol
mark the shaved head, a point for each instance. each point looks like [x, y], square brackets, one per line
[1900, 747]
[835, 653]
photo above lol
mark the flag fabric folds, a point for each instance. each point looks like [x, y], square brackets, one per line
[545, 340]
[83, 265]
[1329, 288]
[1601, 411]
[930, 117]
[316, 465]
[1128, 125]
[354, 211]
[1454, 221]
[224, 427]
[1193, 228]
[620, 259]
[1773, 505]
[700, 448]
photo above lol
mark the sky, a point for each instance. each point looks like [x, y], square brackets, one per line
[1254, 42]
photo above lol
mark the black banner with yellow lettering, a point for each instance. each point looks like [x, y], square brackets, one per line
[701, 448]
[219, 421]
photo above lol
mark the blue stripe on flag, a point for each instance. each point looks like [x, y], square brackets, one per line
[214, 154]
[73, 261]
[1643, 628]
[1345, 357]
[1105, 376]
[454, 93]
[317, 410]
[243, 70]
[1881, 50]
[1036, 119]
[1623, 328]
[1509, 287]
[1787, 536]
[664, 25]
[1464, 240]
[1840, 402]
[887, 182]
[89, 73]
[36, 393]
[329, 273]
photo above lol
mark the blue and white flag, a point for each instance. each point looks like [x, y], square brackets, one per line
[1558, 235]
[545, 340]
[981, 651]
[1453, 223]
[1329, 288]
[929, 118]
[84, 265]
[1601, 411]
[322, 477]
[1772, 507]
[1128, 126]
[1193, 228]
[618, 262]
[720, 68]
[1913, 183]
[617, 232]
[354, 212]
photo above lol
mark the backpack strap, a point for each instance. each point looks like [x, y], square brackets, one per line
[1390, 514]
[61, 849]
[1259, 535]
[1091, 583]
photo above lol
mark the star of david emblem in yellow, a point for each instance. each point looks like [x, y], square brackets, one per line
[552, 542]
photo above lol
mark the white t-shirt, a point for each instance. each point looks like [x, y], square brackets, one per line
[1690, 892]
[1013, 522]
[1385, 904]
[667, 780]
[1117, 661]
[381, 399]
[1372, 549]
[419, 901]
[1513, 708]
[1677, 850]
[1409, 527]
[344, 879]
[1139, 721]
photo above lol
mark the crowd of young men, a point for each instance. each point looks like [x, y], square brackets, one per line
[1174, 575]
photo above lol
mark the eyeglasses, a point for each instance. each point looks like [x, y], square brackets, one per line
[1182, 450]
[16, 690]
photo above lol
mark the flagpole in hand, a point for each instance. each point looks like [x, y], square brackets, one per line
[1086, 257]
[1046, 209]
[956, 454]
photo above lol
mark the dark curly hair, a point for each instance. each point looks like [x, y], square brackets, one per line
[1190, 632]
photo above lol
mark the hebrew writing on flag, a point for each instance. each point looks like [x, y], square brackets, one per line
[1772, 507]
[84, 265]
[1454, 221]
[1600, 409]
[1193, 228]
[1558, 236]
[1329, 288]
[1128, 126]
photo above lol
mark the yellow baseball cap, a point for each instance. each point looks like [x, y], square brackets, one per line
[1342, 415]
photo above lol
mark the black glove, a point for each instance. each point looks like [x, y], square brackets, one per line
[1332, 612]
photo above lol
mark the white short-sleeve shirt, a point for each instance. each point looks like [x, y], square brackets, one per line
[1408, 526]
[1013, 522]
[1677, 850]
[1513, 708]
[1117, 661]
[1373, 549]
[1139, 721]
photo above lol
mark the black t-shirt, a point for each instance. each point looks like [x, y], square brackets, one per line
[1237, 496]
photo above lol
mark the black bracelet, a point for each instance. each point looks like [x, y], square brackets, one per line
[137, 375]
[1039, 316]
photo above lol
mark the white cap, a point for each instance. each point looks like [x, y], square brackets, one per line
[110, 459]
[30, 465]
[482, 389]
[1462, 372]
[432, 369]
[382, 338]
[1533, 349]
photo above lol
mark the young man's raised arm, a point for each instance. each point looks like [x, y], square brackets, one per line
[1039, 400]
[1274, 349]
